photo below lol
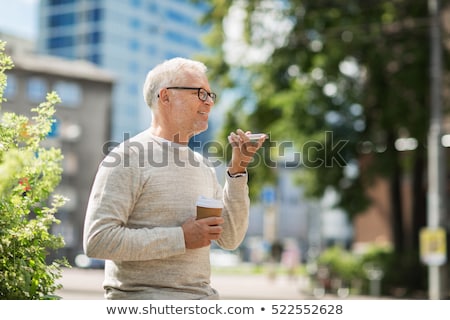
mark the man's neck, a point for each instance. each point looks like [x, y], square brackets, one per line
[176, 137]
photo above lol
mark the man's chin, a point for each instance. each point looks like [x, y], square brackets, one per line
[200, 130]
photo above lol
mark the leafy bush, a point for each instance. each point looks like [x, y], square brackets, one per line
[341, 263]
[403, 274]
[400, 275]
[29, 174]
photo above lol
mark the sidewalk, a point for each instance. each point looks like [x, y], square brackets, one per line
[86, 284]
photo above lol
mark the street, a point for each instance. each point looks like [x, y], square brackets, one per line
[86, 284]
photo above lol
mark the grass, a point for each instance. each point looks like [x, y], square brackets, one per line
[257, 269]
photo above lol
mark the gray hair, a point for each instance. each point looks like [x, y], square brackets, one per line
[169, 73]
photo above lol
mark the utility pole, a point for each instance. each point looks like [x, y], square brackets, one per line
[435, 206]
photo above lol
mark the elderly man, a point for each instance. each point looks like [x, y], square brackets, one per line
[141, 213]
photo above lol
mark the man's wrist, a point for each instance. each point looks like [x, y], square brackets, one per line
[235, 169]
[236, 174]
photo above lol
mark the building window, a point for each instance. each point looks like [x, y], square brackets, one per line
[94, 37]
[95, 58]
[69, 92]
[70, 163]
[70, 132]
[94, 15]
[152, 7]
[181, 39]
[37, 89]
[180, 18]
[59, 20]
[60, 42]
[136, 3]
[58, 2]
[134, 45]
[135, 24]
[11, 87]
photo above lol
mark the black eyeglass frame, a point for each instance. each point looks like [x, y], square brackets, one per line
[212, 95]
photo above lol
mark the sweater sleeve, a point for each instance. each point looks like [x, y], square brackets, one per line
[235, 213]
[114, 193]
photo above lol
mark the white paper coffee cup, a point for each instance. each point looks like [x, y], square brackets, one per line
[207, 207]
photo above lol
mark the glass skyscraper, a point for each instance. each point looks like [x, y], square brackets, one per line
[127, 37]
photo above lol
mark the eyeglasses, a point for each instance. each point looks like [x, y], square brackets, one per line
[202, 93]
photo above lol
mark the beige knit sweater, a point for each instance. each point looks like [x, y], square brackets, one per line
[144, 190]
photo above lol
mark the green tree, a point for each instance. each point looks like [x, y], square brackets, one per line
[352, 71]
[29, 174]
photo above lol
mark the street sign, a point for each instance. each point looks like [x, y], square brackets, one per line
[433, 247]
[268, 195]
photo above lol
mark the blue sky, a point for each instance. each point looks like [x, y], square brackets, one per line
[19, 17]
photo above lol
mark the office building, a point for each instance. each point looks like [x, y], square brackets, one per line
[127, 37]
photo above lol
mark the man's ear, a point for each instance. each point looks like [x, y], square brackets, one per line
[164, 95]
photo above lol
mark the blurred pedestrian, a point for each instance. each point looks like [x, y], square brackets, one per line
[276, 250]
[291, 258]
[141, 212]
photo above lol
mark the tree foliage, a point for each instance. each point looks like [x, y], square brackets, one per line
[324, 73]
[29, 173]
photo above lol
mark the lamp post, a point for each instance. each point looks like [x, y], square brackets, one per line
[435, 203]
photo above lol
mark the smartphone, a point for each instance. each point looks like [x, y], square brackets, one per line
[256, 136]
